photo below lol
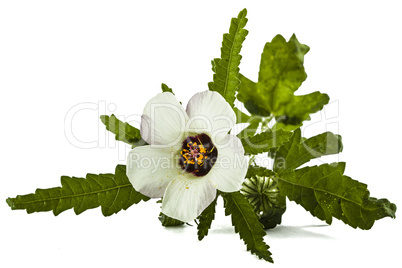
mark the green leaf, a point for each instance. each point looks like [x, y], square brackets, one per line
[113, 192]
[206, 218]
[226, 68]
[265, 141]
[247, 93]
[299, 108]
[325, 192]
[246, 223]
[168, 221]
[260, 171]
[165, 88]
[282, 64]
[280, 125]
[281, 74]
[251, 129]
[123, 131]
[240, 116]
[297, 151]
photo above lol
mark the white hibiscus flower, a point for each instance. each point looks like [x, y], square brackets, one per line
[190, 153]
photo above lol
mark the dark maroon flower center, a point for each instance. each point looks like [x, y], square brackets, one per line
[198, 155]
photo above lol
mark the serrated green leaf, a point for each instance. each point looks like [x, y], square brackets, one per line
[281, 74]
[168, 221]
[246, 223]
[299, 108]
[205, 220]
[257, 170]
[251, 129]
[265, 141]
[123, 131]
[297, 151]
[282, 64]
[113, 192]
[226, 68]
[49, 199]
[325, 192]
[165, 88]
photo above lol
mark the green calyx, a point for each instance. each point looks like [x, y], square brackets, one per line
[263, 194]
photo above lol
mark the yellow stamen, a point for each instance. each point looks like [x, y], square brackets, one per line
[202, 149]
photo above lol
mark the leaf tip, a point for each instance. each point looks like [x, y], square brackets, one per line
[390, 209]
[340, 143]
[278, 38]
[104, 118]
[10, 203]
[242, 14]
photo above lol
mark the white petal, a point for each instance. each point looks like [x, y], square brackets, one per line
[231, 166]
[150, 170]
[210, 113]
[163, 121]
[187, 196]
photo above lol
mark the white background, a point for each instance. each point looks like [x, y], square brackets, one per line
[112, 56]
